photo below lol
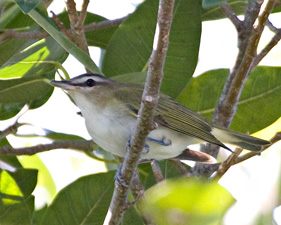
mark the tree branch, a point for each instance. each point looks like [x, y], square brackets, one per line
[156, 171]
[248, 39]
[145, 121]
[11, 33]
[228, 12]
[77, 145]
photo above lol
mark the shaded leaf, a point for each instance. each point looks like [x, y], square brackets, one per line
[23, 90]
[261, 89]
[85, 201]
[131, 45]
[215, 12]
[147, 176]
[26, 179]
[18, 213]
[131, 216]
[44, 178]
[178, 201]
[27, 5]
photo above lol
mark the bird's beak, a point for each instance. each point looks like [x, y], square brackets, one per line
[66, 85]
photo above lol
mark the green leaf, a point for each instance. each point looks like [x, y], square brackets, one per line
[44, 177]
[37, 59]
[18, 213]
[27, 5]
[55, 136]
[147, 176]
[26, 180]
[85, 201]
[175, 202]
[263, 86]
[23, 89]
[131, 45]
[137, 77]
[215, 12]
[70, 47]
[210, 3]
[131, 216]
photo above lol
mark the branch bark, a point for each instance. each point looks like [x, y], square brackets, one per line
[12, 34]
[248, 39]
[145, 121]
[77, 145]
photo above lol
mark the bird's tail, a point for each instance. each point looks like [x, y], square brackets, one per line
[238, 139]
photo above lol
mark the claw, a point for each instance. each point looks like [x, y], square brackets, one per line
[165, 141]
[118, 180]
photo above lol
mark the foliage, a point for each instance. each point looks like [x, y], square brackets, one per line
[27, 66]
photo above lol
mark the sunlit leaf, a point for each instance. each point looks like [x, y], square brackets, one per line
[261, 90]
[186, 200]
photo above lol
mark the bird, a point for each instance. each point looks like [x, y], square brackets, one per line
[110, 110]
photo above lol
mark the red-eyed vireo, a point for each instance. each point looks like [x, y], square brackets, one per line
[111, 108]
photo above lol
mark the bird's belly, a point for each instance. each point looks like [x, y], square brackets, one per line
[178, 143]
[111, 135]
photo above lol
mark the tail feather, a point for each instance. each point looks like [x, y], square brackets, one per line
[238, 139]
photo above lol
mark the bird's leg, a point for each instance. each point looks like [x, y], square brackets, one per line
[164, 141]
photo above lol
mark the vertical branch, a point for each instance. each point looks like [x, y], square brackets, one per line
[248, 39]
[76, 24]
[145, 121]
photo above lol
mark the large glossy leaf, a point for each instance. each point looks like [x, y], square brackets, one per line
[131, 45]
[259, 104]
[36, 60]
[175, 202]
[85, 201]
[23, 89]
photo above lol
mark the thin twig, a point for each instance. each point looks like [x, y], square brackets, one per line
[156, 171]
[37, 34]
[77, 145]
[228, 12]
[10, 130]
[82, 16]
[61, 26]
[273, 42]
[271, 27]
[145, 120]
[103, 24]
[224, 166]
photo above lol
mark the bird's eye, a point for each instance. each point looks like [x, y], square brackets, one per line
[90, 82]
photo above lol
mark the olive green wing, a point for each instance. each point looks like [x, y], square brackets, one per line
[170, 114]
[177, 117]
